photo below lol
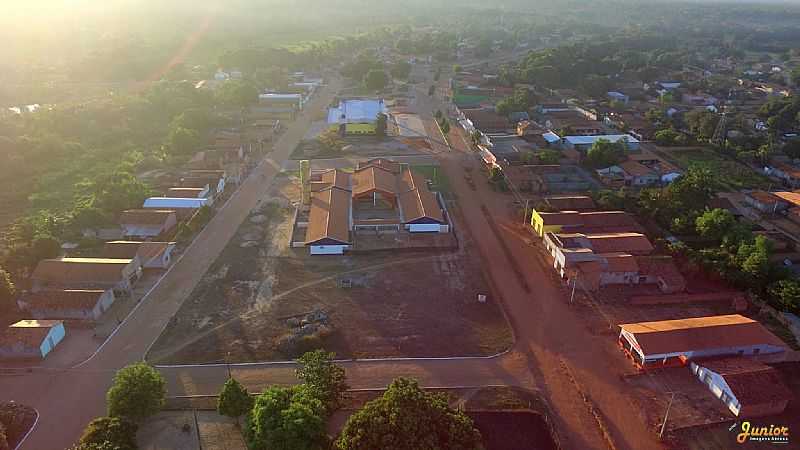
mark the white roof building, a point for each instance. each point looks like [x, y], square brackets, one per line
[175, 203]
[590, 140]
[356, 111]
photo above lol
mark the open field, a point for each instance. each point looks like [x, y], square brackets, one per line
[731, 175]
[261, 301]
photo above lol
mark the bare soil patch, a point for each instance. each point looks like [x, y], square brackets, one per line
[261, 301]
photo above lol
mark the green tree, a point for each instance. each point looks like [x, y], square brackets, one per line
[234, 400]
[548, 156]
[8, 291]
[318, 371]
[401, 70]
[3, 438]
[408, 418]
[715, 224]
[183, 141]
[667, 137]
[109, 432]
[286, 419]
[237, 94]
[457, 68]
[792, 148]
[794, 77]
[45, 246]
[753, 259]
[787, 295]
[604, 153]
[137, 392]
[376, 80]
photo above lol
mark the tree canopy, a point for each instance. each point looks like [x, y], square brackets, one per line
[376, 80]
[137, 392]
[406, 417]
[234, 400]
[318, 372]
[604, 153]
[286, 418]
[109, 433]
[7, 291]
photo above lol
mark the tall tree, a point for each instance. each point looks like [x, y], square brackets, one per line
[7, 291]
[376, 80]
[286, 418]
[318, 371]
[137, 392]
[408, 418]
[234, 400]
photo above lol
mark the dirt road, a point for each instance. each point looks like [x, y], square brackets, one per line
[68, 399]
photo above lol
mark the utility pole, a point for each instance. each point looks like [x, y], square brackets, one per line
[525, 216]
[228, 364]
[666, 416]
[574, 284]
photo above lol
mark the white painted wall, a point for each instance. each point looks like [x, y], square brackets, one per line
[328, 249]
[424, 228]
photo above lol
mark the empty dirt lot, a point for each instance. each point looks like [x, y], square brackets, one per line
[261, 301]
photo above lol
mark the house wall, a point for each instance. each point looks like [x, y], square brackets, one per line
[761, 349]
[537, 222]
[50, 342]
[619, 278]
[19, 351]
[105, 302]
[328, 249]
[424, 228]
[717, 385]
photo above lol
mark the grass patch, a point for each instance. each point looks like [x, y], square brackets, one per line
[731, 175]
[439, 181]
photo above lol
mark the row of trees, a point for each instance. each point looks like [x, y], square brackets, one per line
[404, 417]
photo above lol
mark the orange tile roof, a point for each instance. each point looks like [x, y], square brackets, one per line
[620, 262]
[570, 202]
[664, 268]
[374, 179]
[29, 333]
[63, 299]
[184, 192]
[78, 270]
[790, 197]
[129, 249]
[420, 203]
[329, 216]
[620, 242]
[337, 178]
[751, 381]
[700, 333]
[635, 169]
[764, 197]
[145, 216]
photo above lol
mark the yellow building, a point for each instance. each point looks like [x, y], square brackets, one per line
[572, 221]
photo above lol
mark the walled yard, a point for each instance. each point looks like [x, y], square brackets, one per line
[261, 301]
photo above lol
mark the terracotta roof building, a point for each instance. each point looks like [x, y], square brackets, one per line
[673, 342]
[147, 223]
[570, 203]
[31, 339]
[74, 304]
[86, 273]
[746, 386]
[152, 255]
[379, 194]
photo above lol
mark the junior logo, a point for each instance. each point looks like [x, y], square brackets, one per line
[775, 434]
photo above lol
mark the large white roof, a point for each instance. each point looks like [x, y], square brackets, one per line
[583, 140]
[170, 202]
[356, 111]
[273, 96]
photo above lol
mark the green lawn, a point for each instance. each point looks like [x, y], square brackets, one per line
[732, 175]
[436, 175]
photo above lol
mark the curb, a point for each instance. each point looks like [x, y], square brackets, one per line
[30, 430]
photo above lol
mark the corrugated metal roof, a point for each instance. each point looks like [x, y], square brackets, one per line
[178, 203]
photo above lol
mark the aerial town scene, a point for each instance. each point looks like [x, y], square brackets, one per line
[514, 225]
